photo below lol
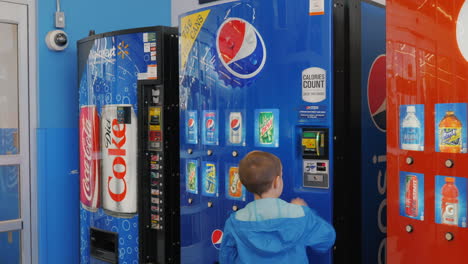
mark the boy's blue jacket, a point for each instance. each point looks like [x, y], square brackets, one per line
[273, 231]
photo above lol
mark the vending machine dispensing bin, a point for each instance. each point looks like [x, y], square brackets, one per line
[128, 133]
[304, 80]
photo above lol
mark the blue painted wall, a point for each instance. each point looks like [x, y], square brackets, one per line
[57, 133]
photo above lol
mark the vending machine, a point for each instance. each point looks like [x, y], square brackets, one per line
[128, 134]
[288, 78]
[427, 69]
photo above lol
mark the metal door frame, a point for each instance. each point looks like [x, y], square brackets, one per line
[27, 96]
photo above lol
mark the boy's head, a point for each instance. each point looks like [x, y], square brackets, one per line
[260, 172]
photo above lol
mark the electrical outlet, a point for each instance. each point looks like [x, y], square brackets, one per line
[59, 20]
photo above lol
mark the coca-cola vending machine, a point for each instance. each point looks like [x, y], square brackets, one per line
[129, 143]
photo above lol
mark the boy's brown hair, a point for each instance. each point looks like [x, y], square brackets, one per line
[257, 171]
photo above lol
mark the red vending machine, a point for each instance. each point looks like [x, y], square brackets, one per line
[427, 79]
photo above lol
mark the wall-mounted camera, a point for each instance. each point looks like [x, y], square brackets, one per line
[57, 40]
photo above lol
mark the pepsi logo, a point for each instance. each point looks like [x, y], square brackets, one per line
[376, 93]
[210, 124]
[191, 122]
[462, 30]
[240, 48]
[217, 238]
[235, 124]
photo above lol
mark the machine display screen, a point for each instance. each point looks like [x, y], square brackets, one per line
[314, 142]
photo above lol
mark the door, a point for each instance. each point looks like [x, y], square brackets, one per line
[15, 202]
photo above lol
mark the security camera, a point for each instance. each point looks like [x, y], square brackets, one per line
[57, 40]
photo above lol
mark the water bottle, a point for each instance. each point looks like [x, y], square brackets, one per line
[411, 130]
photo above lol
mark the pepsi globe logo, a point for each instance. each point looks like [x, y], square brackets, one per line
[191, 122]
[210, 124]
[240, 48]
[462, 30]
[235, 124]
[376, 93]
[217, 238]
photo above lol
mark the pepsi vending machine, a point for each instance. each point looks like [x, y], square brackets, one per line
[282, 77]
[128, 97]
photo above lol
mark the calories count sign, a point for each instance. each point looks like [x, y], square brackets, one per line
[314, 85]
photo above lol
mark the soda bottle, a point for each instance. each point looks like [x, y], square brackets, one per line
[449, 202]
[450, 131]
[411, 130]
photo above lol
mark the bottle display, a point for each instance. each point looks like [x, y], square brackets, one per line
[411, 128]
[450, 130]
[412, 195]
[450, 202]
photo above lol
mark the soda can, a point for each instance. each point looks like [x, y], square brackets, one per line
[210, 128]
[411, 196]
[266, 120]
[210, 181]
[192, 127]
[235, 127]
[89, 157]
[235, 185]
[119, 164]
[192, 176]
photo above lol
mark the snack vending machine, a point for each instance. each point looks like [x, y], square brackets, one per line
[128, 133]
[276, 76]
[427, 69]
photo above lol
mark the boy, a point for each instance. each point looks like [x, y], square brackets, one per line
[270, 230]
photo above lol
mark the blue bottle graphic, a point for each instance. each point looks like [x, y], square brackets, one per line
[411, 130]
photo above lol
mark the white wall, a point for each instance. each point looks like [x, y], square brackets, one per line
[181, 6]
[9, 76]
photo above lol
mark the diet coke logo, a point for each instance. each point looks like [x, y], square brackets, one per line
[87, 150]
[115, 142]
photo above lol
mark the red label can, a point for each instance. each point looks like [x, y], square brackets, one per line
[411, 196]
[89, 158]
[119, 161]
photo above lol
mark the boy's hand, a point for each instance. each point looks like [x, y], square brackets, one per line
[299, 201]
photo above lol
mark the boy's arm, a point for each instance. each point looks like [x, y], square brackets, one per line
[228, 251]
[319, 234]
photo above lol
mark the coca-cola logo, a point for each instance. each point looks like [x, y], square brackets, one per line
[116, 138]
[87, 148]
